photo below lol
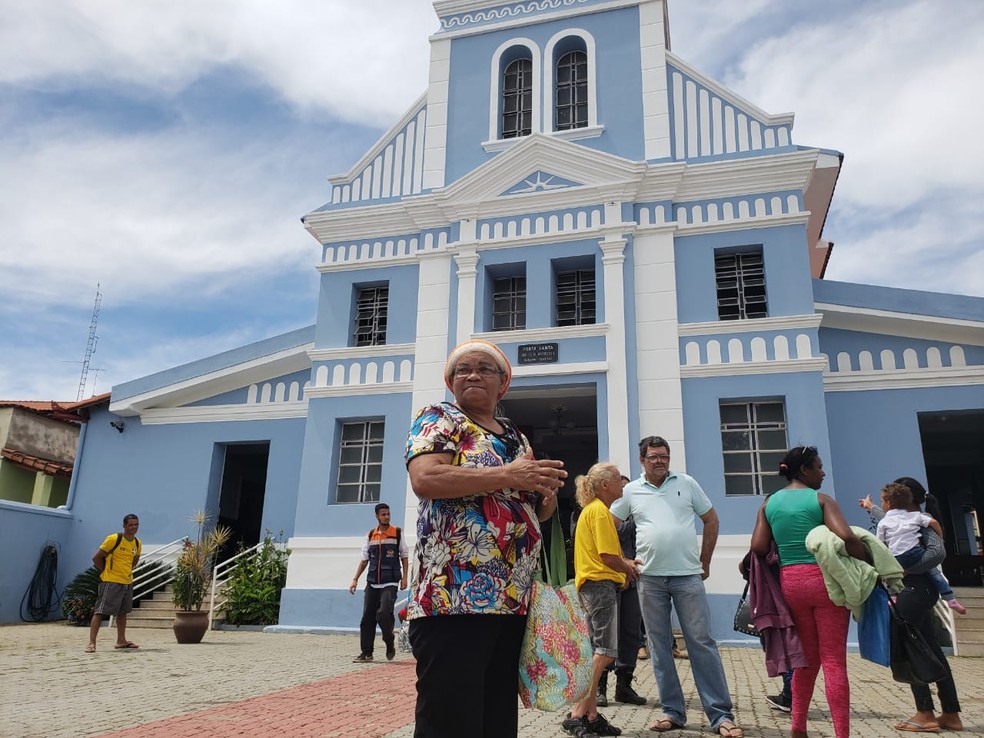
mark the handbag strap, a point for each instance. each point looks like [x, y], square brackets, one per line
[555, 561]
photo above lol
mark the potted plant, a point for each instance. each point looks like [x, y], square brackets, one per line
[79, 599]
[193, 578]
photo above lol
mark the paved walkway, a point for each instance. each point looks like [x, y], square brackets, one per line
[306, 686]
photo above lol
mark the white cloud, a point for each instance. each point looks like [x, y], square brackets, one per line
[891, 88]
[358, 59]
[144, 213]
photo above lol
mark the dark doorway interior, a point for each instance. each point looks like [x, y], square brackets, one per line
[241, 498]
[561, 422]
[953, 449]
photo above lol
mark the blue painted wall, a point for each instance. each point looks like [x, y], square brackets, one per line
[25, 531]
[787, 271]
[619, 75]
[874, 436]
[163, 473]
[317, 512]
[806, 423]
[539, 264]
[337, 302]
[833, 341]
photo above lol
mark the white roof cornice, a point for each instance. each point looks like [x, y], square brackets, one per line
[603, 178]
[229, 378]
[907, 325]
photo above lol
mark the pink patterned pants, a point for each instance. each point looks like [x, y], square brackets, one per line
[822, 629]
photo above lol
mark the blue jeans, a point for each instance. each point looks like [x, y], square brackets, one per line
[912, 557]
[687, 595]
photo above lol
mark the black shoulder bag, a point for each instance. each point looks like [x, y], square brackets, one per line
[743, 616]
[912, 659]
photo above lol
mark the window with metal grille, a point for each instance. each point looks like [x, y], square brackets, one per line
[571, 93]
[509, 303]
[517, 99]
[753, 436]
[740, 284]
[360, 461]
[370, 316]
[576, 297]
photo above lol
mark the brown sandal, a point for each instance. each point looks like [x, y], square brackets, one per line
[663, 725]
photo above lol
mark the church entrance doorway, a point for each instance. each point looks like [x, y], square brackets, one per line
[244, 474]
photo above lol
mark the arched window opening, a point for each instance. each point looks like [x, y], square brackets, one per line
[517, 99]
[571, 92]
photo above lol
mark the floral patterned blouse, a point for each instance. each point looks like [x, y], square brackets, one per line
[477, 554]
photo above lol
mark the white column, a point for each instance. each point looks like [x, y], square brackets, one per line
[467, 261]
[434, 296]
[437, 114]
[657, 342]
[613, 261]
[655, 100]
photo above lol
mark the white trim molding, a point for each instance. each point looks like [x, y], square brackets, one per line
[757, 325]
[556, 370]
[224, 413]
[544, 334]
[362, 352]
[904, 379]
[753, 367]
[345, 390]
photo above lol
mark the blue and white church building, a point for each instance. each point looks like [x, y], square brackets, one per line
[648, 249]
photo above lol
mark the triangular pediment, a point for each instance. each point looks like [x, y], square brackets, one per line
[540, 181]
[539, 165]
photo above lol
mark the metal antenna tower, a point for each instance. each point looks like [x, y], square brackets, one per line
[90, 346]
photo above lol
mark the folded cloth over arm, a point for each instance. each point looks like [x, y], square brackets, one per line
[849, 580]
[771, 615]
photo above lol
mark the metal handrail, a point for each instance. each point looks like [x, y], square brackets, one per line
[145, 582]
[221, 573]
[946, 615]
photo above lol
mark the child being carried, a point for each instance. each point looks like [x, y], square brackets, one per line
[900, 531]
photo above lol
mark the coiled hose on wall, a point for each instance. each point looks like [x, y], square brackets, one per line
[41, 598]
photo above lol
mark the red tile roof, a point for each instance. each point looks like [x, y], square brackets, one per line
[70, 411]
[35, 463]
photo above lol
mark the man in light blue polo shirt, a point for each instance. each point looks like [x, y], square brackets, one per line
[665, 506]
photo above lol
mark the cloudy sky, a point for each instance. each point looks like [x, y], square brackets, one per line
[167, 149]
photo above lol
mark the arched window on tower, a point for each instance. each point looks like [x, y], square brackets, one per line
[517, 98]
[571, 91]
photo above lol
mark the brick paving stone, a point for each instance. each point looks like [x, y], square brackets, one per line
[258, 684]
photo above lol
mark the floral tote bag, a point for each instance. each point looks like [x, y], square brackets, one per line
[555, 661]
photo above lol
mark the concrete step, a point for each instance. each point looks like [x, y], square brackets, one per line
[970, 649]
[149, 622]
[155, 605]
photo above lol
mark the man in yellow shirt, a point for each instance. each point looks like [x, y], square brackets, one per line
[115, 559]
[600, 572]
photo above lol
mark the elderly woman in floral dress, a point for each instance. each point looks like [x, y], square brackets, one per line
[482, 495]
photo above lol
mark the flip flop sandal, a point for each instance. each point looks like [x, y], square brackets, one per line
[911, 726]
[664, 725]
[128, 644]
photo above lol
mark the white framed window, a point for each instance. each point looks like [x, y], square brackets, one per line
[509, 303]
[360, 461]
[570, 73]
[571, 91]
[753, 441]
[371, 309]
[515, 90]
[740, 278]
[576, 297]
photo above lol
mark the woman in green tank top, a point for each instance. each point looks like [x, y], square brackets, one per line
[787, 517]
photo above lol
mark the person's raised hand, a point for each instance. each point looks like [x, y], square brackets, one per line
[866, 502]
[544, 476]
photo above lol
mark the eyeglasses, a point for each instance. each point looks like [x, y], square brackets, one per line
[661, 457]
[484, 371]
